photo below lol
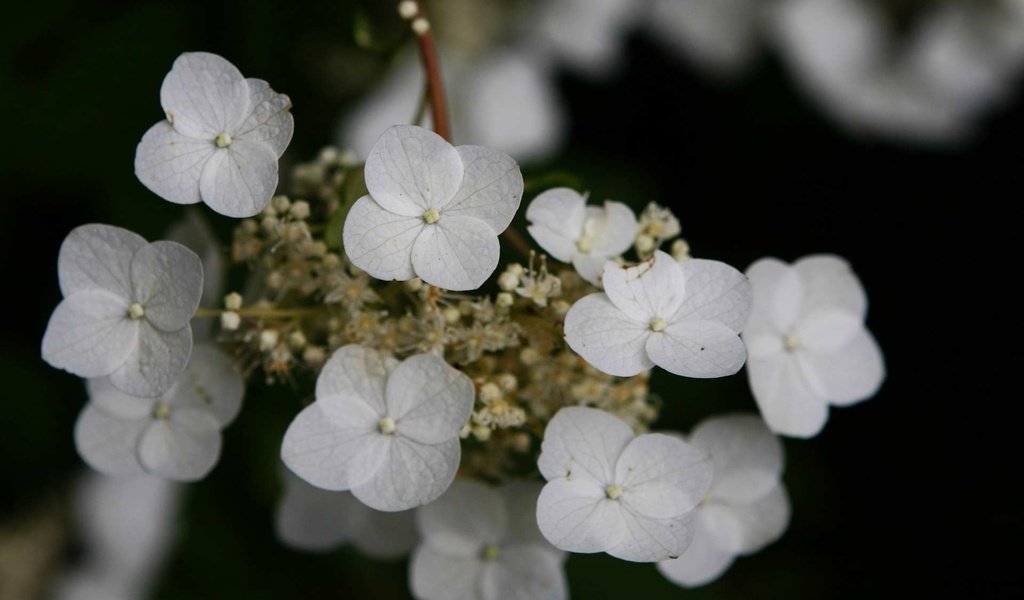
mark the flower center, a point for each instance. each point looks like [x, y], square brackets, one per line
[387, 426]
[613, 492]
[490, 552]
[790, 342]
[161, 410]
[431, 216]
[585, 244]
[136, 311]
[223, 140]
[658, 324]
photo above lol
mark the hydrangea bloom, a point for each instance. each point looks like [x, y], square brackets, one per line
[682, 316]
[386, 430]
[176, 436]
[746, 507]
[584, 236]
[434, 211]
[610, 491]
[315, 520]
[126, 309]
[221, 140]
[482, 543]
[807, 342]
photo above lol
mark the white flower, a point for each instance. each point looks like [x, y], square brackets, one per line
[221, 140]
[434, 211]
[807, 343]
[482, 543]
[315, 520]
[587, 35]
[746, 507]
[682, 316]
[718, 35]
[585, 236]
[386, 430]
[610, 491]
[175, 436]
[126, 309]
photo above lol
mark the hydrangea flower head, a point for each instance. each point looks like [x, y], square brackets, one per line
[433, 211]
[807, 342]
[611, 491]
[583, 236]
[482, 543]
[683, 316]
[221, 140]
[176, 436]
[746, 508]
[385, 430]
[126, 309]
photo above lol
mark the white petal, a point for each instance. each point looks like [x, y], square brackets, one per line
[109, 444]
[615, 229]
[524, 572]
[847, 374]
[589, 267]
[330, 454]
[778, 296]
[697, 349]
[606, 337]
[239, 181]
[583, 443]
[315, 520]
[155, 362]
[825, 331]
[830, 283]
[434, 575]
[788, 404]
[115, 403]
[661, 476]
[354, 373]
[456, 253]
[170, 164]
[89, 334]
[269, 120]
[412, 474]
[211, 381]
[428, 400]
[715, 292]
[650, 540]
[183, 447]
[746, 456]
[167, 279]
[764, 520]
[467, 517]
[652, 289]
[557, 221]
[411, 169]
[491, 189]
[703, 561]
[521, 500]
[97, 257]
[204, 95]
[379, 241]
[194, 232]
[384, 535]
[764, 345]
[575, 516]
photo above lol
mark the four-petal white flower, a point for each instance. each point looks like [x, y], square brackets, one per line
[386, 430]
[610, 491]
[746, 508]
[683, 316]
[807, 342]
[482, 543]
[585, 236]
[175, 436]
[434, 211]
[126, 309]
[221, 140]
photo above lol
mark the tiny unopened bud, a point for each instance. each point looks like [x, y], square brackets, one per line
[233, 301]
[680, 249]
[515, 268]
[414, 284]
[268, 339]
[644, 243]
[490, 392]
[314, 356]
[508, 382]
[561, 307]
[451, 315]
[331, 261]
[482, 433]
[229, 321]
[250, 226]
[408, 9]
[520, 442]
[504, 300]
[300, 209]
[317, 249]
[281, 203]
[268, 211]
[508, 281]
[420, 26]
[296, 339]
[275, 280]
[269, 224]
[529, 356]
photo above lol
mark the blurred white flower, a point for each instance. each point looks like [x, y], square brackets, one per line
[584, 236]
[746, 508]
[586, 35]
[434, 211]
[221, 140]
[315, 520]
[720, 36]
[684, 317]
[386, 430]
[807, 343]
[482, 543]
[126, 309]
[175, 436]
[610, 491]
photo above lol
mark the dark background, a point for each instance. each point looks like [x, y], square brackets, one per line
[916, 491]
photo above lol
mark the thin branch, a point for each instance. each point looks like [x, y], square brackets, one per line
[413, 12]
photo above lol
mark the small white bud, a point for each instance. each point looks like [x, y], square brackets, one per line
[644, 243]
[507, 382]
[331, 261]
[508, 281]
[229, 321]
[296, 339]
[314, 356]
[490, 393]
[516, 268]
[680, 249]
[269, 223]
[420, 26]
[300, 209]
[233, 301]
[408, 9]
[560, 307]
[281, 203]
[504, 300]
[268, 339]
[414, 284]
[451, 315]
[482, 433]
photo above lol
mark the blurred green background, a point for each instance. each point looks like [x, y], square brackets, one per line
[898, 495]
